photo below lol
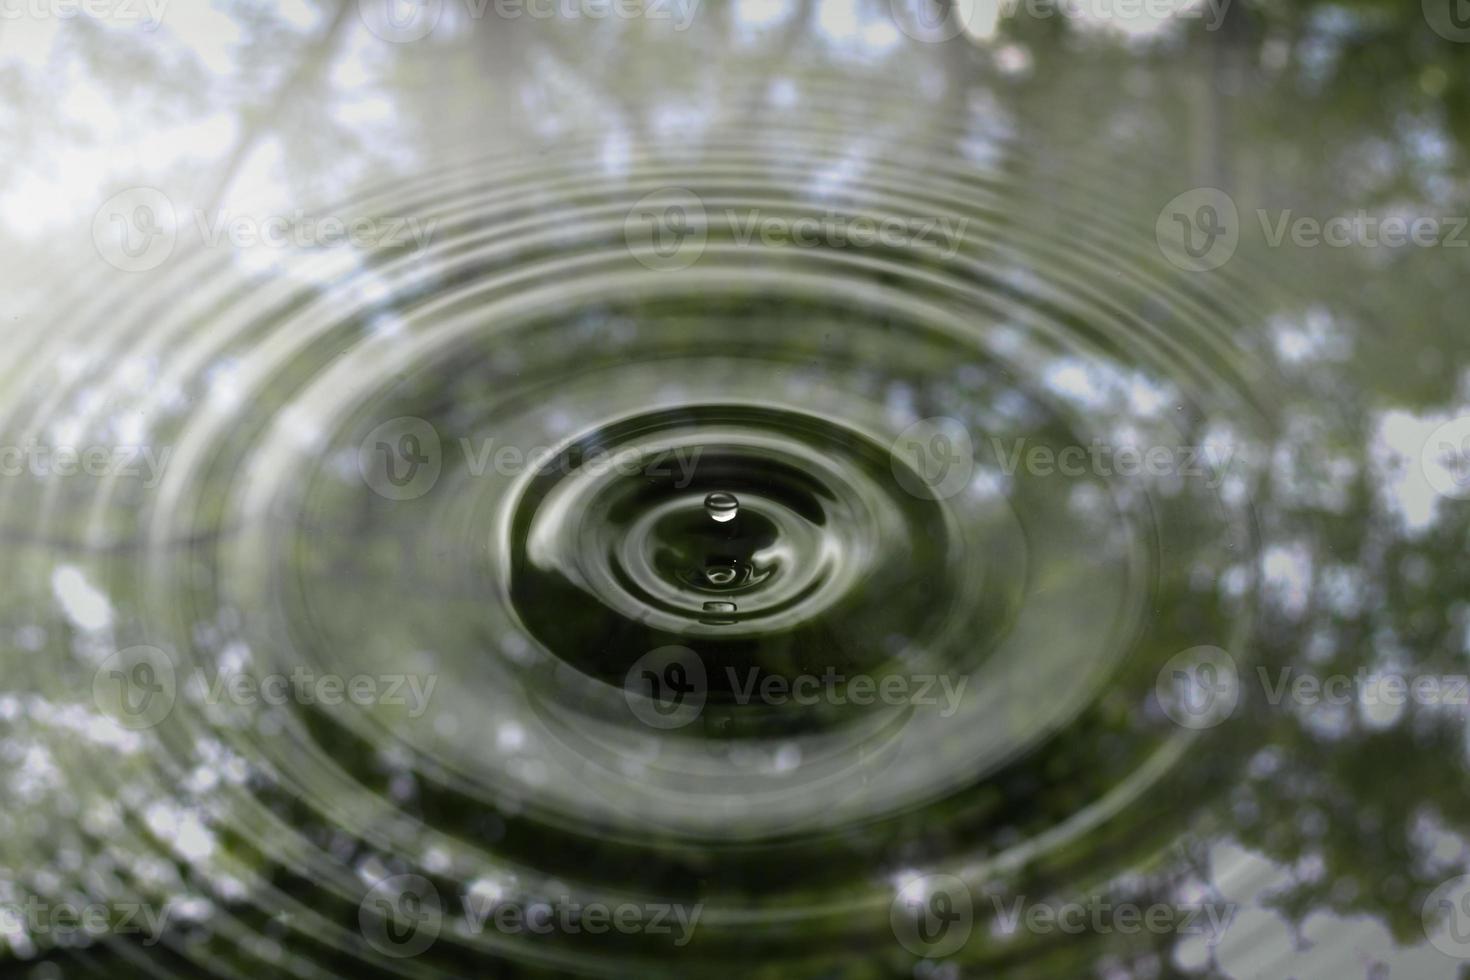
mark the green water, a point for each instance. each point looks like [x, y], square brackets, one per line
[1085, 413]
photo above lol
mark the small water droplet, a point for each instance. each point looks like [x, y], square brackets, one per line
[721, 506]
[720, 575]
[720, 610]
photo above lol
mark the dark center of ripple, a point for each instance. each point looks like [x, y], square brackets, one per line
[757, 538]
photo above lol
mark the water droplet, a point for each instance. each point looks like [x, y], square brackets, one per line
[721, 506]
[721, 613]
[720, 575]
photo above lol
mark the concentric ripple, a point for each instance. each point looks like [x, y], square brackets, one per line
[600, 500]
[819, 545]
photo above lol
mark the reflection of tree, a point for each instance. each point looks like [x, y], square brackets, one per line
[298, 90]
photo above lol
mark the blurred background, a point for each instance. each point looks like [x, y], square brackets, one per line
[326, 639]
